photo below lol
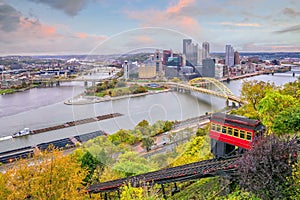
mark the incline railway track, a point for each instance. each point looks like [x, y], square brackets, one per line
[75, 123]
[206, 168]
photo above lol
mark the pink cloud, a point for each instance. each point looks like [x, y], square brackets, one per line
[32, 37]
[36, 29]
[144, 39]
[181, 4]
[82, 35]
[172, 18]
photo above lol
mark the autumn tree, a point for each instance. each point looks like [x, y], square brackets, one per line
[252, 92]
[195, 150]
[139, 193]
[4, 187]
[48, 175]
[292, 88]
[267, 169]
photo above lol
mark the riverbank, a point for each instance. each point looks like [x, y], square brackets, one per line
[11, 91]
[83, 99]
[231, 78]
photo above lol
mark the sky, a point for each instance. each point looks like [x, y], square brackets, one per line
[56, 27]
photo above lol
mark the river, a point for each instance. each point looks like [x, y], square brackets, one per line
[43, 107]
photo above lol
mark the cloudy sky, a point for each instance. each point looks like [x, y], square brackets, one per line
[29, 27]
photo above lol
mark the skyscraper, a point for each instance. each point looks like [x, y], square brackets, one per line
[186, 44]
[126, 70]
[190, 51]
[229, 56]
[158, 61]
[199, 59]
[205, 50]
[236, 58]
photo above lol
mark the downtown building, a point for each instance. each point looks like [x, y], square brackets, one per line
[208, 68]
[205, 50]
[237, 59]
[125, 67]
[192, 53]
[229, 56]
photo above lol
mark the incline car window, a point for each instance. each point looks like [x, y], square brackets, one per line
[242, 134]
[224, 129]
[218, 128]
[249, 136]
[213, 126]
[236, 132]
[229, 131]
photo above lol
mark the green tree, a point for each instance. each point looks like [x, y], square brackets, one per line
[168, 126]
[123, 136]
[143, 123]
[143, 128]
[103, 149]
[130, 163]
[147, 142]
[272, 104]
[239, 194]
[201, 132]
[291, 88]
[287, 121]
[89, 162]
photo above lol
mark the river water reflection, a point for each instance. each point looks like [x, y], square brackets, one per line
[44, 107]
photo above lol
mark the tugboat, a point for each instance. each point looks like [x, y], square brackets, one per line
[25, 131]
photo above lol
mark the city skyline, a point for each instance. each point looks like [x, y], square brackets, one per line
[38, 27]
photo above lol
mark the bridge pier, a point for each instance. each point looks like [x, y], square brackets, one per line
[175, 190]
[93, 83]
[85, 83]
[163, 191]
[57, 83]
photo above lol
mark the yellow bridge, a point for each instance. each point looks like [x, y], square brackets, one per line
[205, 85]
[209, 86]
